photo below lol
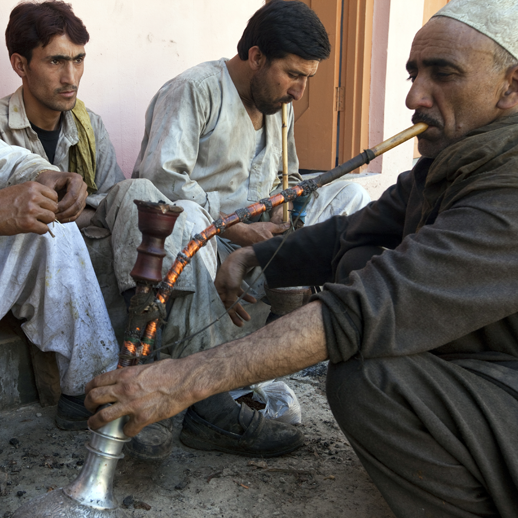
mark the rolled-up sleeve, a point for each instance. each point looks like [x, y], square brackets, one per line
[17, 165]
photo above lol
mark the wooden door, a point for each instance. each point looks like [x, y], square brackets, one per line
[315, 114]
[331, 119]
[355, 82]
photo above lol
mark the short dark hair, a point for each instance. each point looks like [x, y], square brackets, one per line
[32, 24]
[285, 27]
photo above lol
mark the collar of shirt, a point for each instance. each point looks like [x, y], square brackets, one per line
[18, 119]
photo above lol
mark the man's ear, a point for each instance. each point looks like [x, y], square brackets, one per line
[256, 59]
[509, 97]
[19, 64]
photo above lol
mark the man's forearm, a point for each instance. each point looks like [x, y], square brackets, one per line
[150, 393]
[283, 347]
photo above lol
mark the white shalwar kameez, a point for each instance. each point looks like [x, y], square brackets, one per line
[51, 283]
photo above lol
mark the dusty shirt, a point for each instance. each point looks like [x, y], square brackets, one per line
[15, 129]
[199, 143]
[17, 165]
[448, 282]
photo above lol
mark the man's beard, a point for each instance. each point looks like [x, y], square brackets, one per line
[262, 98]
[56, 104]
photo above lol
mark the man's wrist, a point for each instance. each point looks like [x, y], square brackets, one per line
[248, 257]
[40, 172]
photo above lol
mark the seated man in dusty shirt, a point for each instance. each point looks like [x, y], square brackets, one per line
[47, 278]
[212, 145]
[46, 43]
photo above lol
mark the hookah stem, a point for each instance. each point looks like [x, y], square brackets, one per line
[219, 226]
[285, 214]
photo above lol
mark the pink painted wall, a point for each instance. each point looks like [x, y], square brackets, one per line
[136, 46]
[395, 24]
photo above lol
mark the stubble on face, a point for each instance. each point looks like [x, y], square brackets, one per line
[261, 92]
[53, 74]
[455, 88]
[51, 99]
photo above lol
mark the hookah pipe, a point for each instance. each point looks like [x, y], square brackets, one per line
[135, 349]
[90, 495]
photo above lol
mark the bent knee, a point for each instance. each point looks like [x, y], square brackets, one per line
[195, 214]
[362, 388]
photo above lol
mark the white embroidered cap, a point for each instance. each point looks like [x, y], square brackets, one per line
[497, 19]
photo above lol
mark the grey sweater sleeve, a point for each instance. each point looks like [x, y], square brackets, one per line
[311, 255]
[450, 279]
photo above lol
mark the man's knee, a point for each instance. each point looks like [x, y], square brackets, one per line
[360, 391]
[358, 193]
[350, 198]
[195, 214]
[141, 188]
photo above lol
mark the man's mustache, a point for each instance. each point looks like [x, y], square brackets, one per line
[427, 119]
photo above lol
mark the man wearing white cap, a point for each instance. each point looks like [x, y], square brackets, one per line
[419, 316]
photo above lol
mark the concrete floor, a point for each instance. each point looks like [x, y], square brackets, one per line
[322, 479]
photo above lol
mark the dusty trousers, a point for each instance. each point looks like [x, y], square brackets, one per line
[436, 439]
[438, 435]
[50, 282]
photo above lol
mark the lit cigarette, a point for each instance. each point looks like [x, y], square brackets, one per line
[50, 231]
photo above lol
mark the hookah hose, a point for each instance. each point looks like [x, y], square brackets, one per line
[135, 349]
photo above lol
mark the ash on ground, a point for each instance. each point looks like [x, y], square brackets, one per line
[322, 479]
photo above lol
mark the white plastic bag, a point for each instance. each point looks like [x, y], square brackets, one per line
[280, 400]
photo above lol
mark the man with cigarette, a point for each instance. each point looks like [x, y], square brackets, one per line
[47, 278]
[212, 144]
[419, 316]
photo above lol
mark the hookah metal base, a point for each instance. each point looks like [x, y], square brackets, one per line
[57, 504]
[90, 495]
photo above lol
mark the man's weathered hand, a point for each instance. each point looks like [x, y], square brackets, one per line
[27, 207]
[150, 393]
[277, 213]
[146, 393]
[228, 282]
[72, 192]
[244, 234]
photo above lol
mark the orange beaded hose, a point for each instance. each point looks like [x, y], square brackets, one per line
[135, 349]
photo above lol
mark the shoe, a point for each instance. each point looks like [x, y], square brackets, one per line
[154, 442]
[72, 413]
[261, 437]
